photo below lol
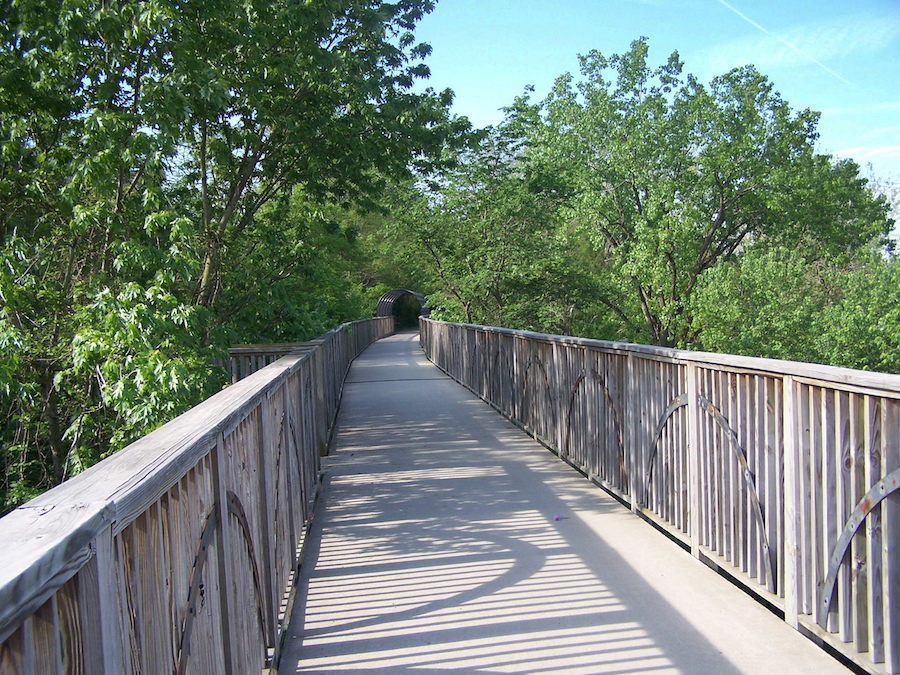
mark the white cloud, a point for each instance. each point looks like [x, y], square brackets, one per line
[862, 109]
[802, 45]
[864, 152]
[893, 132]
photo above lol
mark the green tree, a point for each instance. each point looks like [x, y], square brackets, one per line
[490, 234]
[763, 303]
[669, 177]
[297, 93]
[775, 302]
[144, 147]
[861, 329]
[300, 273]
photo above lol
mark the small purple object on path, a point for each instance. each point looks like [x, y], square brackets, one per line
[557, 517]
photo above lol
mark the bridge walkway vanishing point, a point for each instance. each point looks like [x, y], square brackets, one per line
[446, 539]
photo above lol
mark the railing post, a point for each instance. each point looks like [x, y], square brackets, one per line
[592, 459]
[516, 383]
[558, 378]
[98, 588]
[694, 483]
[267, 511]
[291, 471]
[224, 561]
[792, 487]
[631, 433]
[874, 417]
[890, 518]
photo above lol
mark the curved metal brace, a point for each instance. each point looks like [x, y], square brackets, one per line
[236, 509]
[502, 353]
[612, 409]
[875, 495]
[575, 386]
[678, 402]
[532, 360]
[298, 457]
[741, 456]
[195, 588]
[277, 483]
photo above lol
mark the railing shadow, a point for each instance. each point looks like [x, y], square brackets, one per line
[450, 541]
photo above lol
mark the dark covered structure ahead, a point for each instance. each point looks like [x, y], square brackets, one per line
[405, 305]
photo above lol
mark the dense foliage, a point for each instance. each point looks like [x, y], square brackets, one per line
[647, 206]
[492, 238]
[174, 178]
[177, 178]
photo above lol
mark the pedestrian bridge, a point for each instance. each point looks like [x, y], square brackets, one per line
[439, 535]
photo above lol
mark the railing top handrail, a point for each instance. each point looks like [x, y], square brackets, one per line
[288, 347]
[265, 349]
[833, 375]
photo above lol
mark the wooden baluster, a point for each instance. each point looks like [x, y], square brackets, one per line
[890, 514]
[792, 494]
[695, 459]
[831, 526]
[874, 535]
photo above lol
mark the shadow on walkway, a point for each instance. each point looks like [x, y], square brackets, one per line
[448, 540]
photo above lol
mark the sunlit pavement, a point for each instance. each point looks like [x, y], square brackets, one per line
[448, 540]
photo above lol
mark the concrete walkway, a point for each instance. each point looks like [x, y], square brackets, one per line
[448, 540]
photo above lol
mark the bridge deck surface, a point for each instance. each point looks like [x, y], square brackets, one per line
[446, 539]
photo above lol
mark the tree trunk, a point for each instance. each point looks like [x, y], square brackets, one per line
[51, 409]
[205, 290]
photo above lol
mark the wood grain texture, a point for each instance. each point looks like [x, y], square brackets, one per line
[890, 513]
[96, 573]
[16, 652]
[47, 653]
[45, 547]
[73, 633]
[814, 440]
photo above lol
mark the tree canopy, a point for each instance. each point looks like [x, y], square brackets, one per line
[177, 178]
[491, 236]
[668, 177]
[628, 189]
[169, 179]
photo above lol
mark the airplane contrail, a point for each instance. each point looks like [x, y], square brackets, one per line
[782, 40]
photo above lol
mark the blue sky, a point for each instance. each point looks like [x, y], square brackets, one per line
[841, 58]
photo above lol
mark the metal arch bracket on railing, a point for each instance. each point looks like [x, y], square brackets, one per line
[195, 588]
[741, 456]
[564, 451]
[301, 465]
[236, 509]
[678, 402]
[275, 528]
[875, 495]
[548, 389]
[501, 352]
[615, 419]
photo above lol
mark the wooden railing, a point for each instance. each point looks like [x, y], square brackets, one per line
[784, 475]
[244, 360]
[178, 553]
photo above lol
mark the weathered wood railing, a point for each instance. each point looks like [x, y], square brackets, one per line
[785, 475]
[244, 360]
[177, 554]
